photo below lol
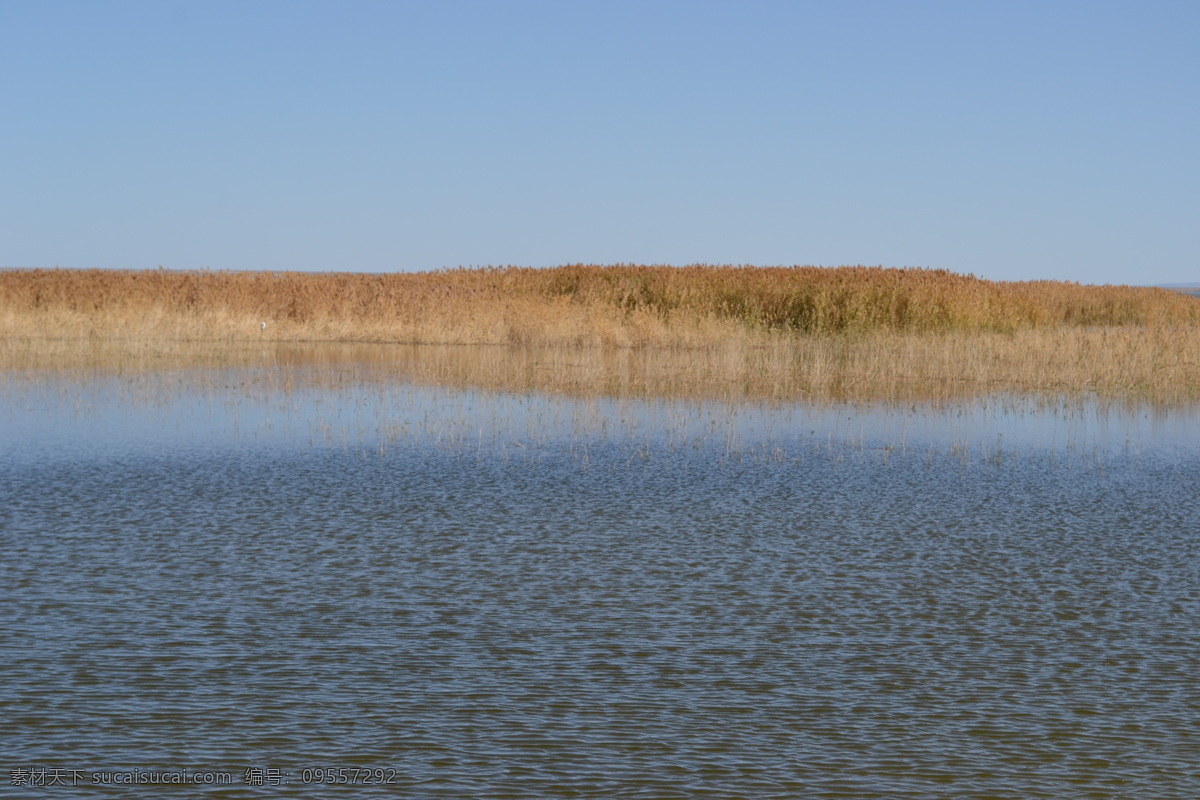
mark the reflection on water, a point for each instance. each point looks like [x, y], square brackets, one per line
[540, 595]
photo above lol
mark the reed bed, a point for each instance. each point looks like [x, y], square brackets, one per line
[698, 306]
[853, 333]
[1157, 366]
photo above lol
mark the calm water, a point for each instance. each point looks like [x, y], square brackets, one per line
[463, 595]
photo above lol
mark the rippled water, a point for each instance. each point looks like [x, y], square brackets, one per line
[468, 595]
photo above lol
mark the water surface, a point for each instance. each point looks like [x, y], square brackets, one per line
[468, 594]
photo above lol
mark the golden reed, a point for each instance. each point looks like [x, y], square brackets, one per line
[851, 332]
[573, 305]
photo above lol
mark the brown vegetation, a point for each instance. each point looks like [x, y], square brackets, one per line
[730, 332]
[573, 305]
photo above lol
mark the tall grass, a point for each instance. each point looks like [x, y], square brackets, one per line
[727, 332]
[693, 306]
[1158, 365]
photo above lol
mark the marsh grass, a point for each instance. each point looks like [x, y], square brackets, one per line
[377, 401]
[1156, 366]
[573, 305]
[736, 333]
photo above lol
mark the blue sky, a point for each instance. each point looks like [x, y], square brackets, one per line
[1011, 140]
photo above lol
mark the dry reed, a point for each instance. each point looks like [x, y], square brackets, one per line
[575, 305]
[736, 332]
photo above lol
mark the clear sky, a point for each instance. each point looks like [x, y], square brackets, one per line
[1008, 139]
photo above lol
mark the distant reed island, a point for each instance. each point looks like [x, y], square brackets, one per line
[853, 326]
[589, 306]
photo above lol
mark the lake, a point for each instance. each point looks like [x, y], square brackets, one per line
[248, 580]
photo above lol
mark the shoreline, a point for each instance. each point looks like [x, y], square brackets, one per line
[738, 332]
[1151, 366]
